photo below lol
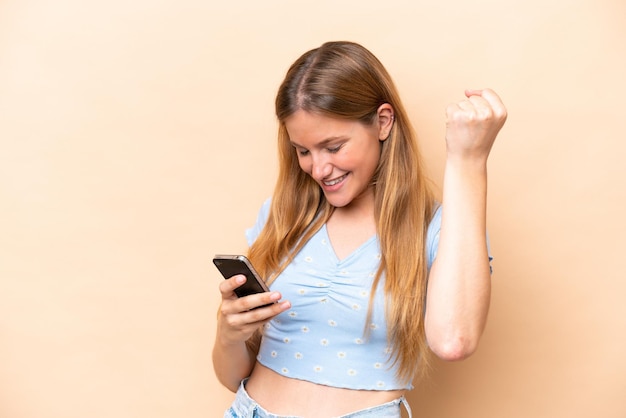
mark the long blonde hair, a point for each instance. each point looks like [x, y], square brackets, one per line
[345, 80]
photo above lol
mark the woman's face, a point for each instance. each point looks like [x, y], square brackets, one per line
[340, 155]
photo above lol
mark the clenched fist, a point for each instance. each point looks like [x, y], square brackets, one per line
[473, 124]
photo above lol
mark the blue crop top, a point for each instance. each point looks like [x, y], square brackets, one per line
[321, 338]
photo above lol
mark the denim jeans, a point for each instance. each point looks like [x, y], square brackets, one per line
[246, 407]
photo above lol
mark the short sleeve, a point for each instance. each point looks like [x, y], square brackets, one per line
[432, 239]
[253, 233]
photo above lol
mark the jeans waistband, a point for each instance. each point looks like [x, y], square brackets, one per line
[246, 407]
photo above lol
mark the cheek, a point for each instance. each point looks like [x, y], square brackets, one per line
[304, 165]
[371, 158]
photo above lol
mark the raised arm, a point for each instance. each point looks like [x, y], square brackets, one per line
[459, 284]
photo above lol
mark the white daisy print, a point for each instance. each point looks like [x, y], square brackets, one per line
[308, 259]
[341, 354]
[358, 341]
[304, 329]
[317, 369]
[332, 323]
[298, 356]
[274, 354]
[286, 340]
[378, 365]
[352, 372]
[324, 341]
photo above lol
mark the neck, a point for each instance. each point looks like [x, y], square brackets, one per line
[359, 210]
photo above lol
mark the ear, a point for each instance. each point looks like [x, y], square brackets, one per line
[386, 116]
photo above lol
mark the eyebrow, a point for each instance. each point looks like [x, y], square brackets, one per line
[323, 142]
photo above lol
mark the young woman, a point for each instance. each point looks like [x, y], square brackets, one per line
[369, 273]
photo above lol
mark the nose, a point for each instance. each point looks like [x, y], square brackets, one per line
[321, 167]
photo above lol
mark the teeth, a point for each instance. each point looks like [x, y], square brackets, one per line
[336, 181]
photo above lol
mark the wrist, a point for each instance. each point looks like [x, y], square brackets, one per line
[468, 163]
[228, 341]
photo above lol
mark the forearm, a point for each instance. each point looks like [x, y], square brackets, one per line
[232, 362]
[459, 284]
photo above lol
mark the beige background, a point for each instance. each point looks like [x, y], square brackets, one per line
[137, 140]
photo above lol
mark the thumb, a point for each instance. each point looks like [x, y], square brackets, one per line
[473, 92]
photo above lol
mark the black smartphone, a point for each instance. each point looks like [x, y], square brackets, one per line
[231, 265]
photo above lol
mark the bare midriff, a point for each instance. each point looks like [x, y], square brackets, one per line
[281, 395]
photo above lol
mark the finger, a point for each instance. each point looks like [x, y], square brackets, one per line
[453, 109]
[228, 286]
[467, 104]
[246, 315]
[256, 300]
[237, 305]
[496, 103]
[266, 313]
[489, 95]
[466, 110]
[492, 98]
[481, 106]
[476, 97]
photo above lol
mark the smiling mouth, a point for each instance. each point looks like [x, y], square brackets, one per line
[335, 181]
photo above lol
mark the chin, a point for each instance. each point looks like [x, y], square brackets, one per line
[340, 203]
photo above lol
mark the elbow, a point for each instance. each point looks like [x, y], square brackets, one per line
[233, 388]
[230, 384]
[454, 349]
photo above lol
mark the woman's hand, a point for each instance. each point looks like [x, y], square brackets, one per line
[237, 318]
[473, 124]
